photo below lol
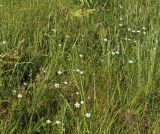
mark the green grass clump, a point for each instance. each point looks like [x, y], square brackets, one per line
[78, 67]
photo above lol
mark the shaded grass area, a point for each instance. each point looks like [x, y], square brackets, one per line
[101, 55]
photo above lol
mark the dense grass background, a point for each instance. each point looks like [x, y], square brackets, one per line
[108, 53]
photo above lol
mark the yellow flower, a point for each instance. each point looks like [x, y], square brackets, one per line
[77, 13]
[82, 12]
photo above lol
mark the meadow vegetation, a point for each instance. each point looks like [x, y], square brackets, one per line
[79, 67]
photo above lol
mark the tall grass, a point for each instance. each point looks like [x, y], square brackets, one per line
[77, 67]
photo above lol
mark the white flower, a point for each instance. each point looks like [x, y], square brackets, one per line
[117, 52]
[129, 29]
[67, 36]
[130, 61]
[105, 40]
[120, 18]
[120, 25]
[113, 53]
[82, 102]
[143, 28]
[48, 121]
[77, 93]
[88, 115]
[94, 74]
[78, 70]
[77, 105]
[81, 72]
[58, 122]
[60, 45]
[133, 31]
[25, 83]
[138, 31]
[81, 55]
[56, 85]
[135, 41]
[59, 72]
[65, 82]
[4, 42]
[120, 6]
[19, 95]
[144, 32]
